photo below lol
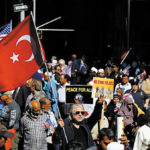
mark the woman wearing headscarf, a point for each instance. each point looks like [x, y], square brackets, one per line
[126, 111]
[131, 116]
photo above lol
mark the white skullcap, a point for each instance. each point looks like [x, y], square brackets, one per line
[115, 146]
[131, 78]
[48, 74]
[101, 70]
[94, 69]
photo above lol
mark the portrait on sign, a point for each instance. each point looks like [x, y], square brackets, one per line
[102, 86]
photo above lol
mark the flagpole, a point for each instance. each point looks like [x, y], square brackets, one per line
[56, 103]
[49, 22]
[128, 26]
[49, 79]
[11, 25]
[61, 30]
[126, 56]
[34, 11]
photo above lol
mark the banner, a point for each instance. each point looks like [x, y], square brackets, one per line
[79, 94]
[20, 55]
[102, 86]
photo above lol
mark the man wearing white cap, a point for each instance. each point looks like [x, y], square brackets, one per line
[93, 73]
[101, 73]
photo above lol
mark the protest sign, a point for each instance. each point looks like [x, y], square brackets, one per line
[102, 86]
[79, 94]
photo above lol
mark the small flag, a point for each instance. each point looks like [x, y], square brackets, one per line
[142, 75]
[48, 123]
[123, 57]
[126, 70]
[5, 30]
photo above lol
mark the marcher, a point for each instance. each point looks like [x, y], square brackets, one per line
[33, 129]
[124, 85]
[139, 96]
[78, 127]
[35, 85]
[10, 116]
[143, 136]
[50, 122]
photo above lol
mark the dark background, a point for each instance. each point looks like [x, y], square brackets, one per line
[100, 27]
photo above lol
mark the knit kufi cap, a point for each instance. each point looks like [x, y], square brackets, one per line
[94, 69]
[101, 70]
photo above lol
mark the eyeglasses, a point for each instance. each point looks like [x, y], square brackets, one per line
[79, 112]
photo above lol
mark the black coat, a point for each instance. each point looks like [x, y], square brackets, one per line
[87, 125]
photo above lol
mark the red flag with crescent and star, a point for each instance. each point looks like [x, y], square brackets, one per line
[20, 55]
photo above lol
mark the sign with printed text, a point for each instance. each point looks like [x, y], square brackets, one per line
[102, 86]
[79, 94]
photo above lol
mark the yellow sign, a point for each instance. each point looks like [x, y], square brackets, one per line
[102, 86]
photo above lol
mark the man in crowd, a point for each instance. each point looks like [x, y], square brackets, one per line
[33, 129]
[35, 85]
[62, 66]
[92, 73]
[101, 73]
[78, 127]
[124, 85]
[51, 89]
[62, 95]
[10, 116]
[50, 122]
[139, 96]
[143, 135]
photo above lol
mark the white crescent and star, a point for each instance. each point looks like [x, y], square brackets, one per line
[15, 56]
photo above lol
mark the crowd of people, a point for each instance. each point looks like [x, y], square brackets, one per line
[35, 116]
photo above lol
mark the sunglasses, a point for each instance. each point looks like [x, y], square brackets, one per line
[79, 112]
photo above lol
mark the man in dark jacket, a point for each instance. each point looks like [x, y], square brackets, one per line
[139, 96]
[77, 127]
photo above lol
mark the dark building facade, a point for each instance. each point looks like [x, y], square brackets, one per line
[101, 27]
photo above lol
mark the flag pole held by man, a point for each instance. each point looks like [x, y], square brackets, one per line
[20, 55]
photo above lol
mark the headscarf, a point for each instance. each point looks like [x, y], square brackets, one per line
[125, 112]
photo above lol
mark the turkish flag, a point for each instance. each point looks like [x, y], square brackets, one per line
[20, 55]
